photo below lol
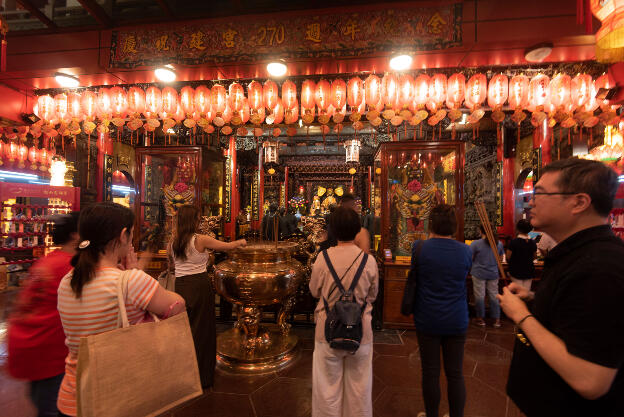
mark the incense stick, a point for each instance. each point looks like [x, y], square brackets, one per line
[485, 221]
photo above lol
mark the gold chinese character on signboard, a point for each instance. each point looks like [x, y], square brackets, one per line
[130, 45]
[313, 32]
[162, 43]
[350, 29]
[228, 37]
[435, 23]
[197, 41]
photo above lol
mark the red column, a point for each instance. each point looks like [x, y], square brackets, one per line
[104, 147]
[230, 224]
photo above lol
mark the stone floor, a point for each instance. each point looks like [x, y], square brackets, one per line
[396, 386]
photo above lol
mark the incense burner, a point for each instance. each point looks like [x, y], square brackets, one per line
[256, 276]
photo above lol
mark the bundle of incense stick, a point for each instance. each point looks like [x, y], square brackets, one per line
[485, 221]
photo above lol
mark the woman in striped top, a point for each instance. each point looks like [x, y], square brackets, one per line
[87, 295]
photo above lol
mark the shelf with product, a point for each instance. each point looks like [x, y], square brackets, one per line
[25, 212]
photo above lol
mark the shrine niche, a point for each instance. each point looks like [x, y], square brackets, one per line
[482, 174]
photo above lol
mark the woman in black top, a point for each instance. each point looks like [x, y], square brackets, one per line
[520, 254]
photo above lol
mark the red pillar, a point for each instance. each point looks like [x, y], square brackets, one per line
[230, 223]
[104, 147]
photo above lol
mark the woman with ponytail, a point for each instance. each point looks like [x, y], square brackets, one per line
[87, 295]
[192, 283]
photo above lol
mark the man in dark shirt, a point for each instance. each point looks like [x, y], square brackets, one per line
[569, 355]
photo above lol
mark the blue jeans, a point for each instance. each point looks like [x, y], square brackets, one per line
[479, 287]
[44, 393]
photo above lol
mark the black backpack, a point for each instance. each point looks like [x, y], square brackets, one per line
[343, 325]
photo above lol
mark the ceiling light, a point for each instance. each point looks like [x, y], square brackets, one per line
[539, 52]
[165, 74]
[66, 80]
[276, 69]
[401, 62]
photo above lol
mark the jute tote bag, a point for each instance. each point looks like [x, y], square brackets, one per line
[140, 370]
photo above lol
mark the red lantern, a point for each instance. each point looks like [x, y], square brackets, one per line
[437, 92]
[476, 91]
[169, 102]
[389, 89]
[581, 87]
[104, 105]
[202, 100]
[153, 102]
[308, 89]
[519, 92]
[539, 92]
[338, 93]
[372, 90]
[592, 102]
[178, 115]
[289, 95]
[42, 156]
[456, 91]
[187, 100]
[227, 113]
[218, 99]
[32, 157]
[73, 105]
[89, 105]
[292, 115]
[245, 111]
[60, 106]
[406, 90]
[498, 91]
[11, 150]
[609, 46]
[278, 112]
[355, 92]
[270, 94]
[45, 107]
[51, 155]
[255, 95]
[236, 97]
[322, 95]
[136, 101]
[119, 101]
[22, 154]
[421, 90]
[560, 90]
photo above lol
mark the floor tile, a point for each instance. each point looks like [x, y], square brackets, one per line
[235, 384]
[505, 341]
[288, 397]
[217, 404]
[486, 352]
[404, 401]
[481, 400]
[302, 368]
[494, 375]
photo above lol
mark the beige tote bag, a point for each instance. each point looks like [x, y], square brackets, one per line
[140, 370]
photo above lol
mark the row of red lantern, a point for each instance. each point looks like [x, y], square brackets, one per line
[263, 102]
[14, 152]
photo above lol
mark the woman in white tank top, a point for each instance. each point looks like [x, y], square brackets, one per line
[192, 283]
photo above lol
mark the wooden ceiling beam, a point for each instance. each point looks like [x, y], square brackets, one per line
[36, 13]
[98, 13]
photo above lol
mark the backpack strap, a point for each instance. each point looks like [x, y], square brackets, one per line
[358, 273]
[330, 266]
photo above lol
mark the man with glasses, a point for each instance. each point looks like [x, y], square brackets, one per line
[569, 355]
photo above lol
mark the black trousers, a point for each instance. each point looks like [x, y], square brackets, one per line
[198, 294]
[453, 356]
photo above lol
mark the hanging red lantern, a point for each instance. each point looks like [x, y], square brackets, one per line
[372, 90]
[292, 115]
[389, 89]
[289, 95]
[406, 90]
[308, 88]
[11, 150]
[592, 102]
[236, 97]
[227, 113]
[355, 92]
[218, 99]
[560, 90]
[89, 105]
[178, 115]
[32, 157]
[278, 112]
[245, 111]
[437, 92]
[255, 95]
[270, 94]
[322, 95]
[519, 92]
[338, 93]
[476, 91]
[119, 102]
[42, 156]
[104, 105]
[45, 108]
[60, 106]
[498, 91]
[136, 101]
[22, 155]
[539, 92]
[456, 91]
[609, 45]
[581, 89]
[153, 102]
[187, 100]
[169, 102]
[73, 106]
[421, 90]
[202, 100]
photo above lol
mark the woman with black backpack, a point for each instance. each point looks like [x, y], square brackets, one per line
[346, 280]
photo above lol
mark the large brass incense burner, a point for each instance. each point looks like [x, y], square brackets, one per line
[258, 275]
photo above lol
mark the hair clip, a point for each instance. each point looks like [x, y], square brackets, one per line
[84, 244]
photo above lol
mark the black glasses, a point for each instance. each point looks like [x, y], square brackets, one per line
[534, 193]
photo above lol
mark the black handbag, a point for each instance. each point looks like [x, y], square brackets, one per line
[409, 294]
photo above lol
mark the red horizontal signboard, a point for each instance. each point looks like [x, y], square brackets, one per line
[287, 36]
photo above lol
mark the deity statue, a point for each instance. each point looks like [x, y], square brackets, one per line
[315, 209]
[330, 200]
[181, 190]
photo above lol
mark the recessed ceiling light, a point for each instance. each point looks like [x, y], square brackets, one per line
[276, 69]
[539, 52]
[66, 80]
[400, 62]
[165, 74]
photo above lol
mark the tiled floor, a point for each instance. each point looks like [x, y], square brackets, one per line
[396, 386]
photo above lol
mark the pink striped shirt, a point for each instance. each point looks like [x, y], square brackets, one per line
[96, 311]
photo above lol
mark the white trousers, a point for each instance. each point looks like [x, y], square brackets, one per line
[342, 383]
